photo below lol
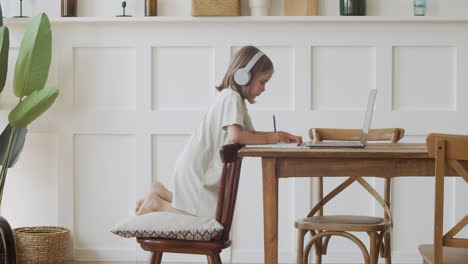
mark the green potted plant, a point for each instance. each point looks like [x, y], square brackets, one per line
[30, 76]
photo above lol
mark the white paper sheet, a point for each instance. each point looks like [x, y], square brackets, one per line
[280, 145]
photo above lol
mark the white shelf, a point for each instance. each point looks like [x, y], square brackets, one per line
[248, 19]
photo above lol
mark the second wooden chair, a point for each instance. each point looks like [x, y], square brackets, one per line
[323, 227]
[450, 152]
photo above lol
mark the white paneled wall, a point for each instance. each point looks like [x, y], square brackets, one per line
[415, 64]
[96, 71]
[334, 69]
[180, 70]
[132, 93]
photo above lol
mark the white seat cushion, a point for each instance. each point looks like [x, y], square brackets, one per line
[170, 226]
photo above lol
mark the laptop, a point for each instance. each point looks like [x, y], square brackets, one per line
[365, 130]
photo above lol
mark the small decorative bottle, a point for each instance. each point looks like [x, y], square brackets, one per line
[151, 7]
[420, 7]
[69, 8]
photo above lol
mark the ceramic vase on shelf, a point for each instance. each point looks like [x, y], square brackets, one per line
[259, 7]
[151, 7]
[353, 7]
[69, 8]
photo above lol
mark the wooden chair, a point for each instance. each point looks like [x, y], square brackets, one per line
[224, 214]
[448, 151]
[323, 227]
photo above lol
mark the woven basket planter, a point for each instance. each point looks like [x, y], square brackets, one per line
[42, 244]
[215, 7]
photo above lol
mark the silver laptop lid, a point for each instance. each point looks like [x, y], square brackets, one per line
[368, 115]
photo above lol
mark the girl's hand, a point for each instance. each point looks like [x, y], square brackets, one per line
[282, 136]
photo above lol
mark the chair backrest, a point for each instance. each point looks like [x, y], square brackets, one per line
[382, 134]
[228, 187]
[447, 150]
[392, 135]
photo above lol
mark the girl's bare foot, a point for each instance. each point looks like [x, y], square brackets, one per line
[138, 205]
[154, 203]
[159, 199]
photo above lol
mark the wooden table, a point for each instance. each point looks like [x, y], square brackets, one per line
[376, 160]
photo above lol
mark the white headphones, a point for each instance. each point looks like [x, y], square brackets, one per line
[242, 75]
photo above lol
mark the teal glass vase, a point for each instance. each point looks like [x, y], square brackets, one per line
[353, 7]
[420, 7]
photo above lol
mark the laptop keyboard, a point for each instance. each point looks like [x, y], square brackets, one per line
[334, 143]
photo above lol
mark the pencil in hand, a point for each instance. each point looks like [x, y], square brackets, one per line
[274, 123]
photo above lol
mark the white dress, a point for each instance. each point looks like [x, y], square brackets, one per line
[198, 169]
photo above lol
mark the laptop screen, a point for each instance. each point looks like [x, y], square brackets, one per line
[368, 115]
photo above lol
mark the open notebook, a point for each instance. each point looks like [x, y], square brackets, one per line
[279, 145]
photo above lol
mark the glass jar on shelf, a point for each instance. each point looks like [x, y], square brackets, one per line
[420, 7]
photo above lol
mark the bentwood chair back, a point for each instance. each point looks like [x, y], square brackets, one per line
[323, 227]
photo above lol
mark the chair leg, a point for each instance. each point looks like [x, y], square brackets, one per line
[388, 248]
[318, 257]
[318, 250]
[210, 259]
[155, 258]
[307, 249]
[382, 249]
[217, 259]
[373, 250]
[300, 245]
[325, 245]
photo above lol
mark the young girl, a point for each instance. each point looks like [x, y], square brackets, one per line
[198, 169]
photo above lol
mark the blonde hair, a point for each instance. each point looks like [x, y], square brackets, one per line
[240, 60]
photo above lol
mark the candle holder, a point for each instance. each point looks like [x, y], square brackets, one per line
[124, 5]
[21, 10]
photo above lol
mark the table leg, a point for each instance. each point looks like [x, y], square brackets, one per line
[270, 210]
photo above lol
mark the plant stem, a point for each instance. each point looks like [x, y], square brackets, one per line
[6, 161]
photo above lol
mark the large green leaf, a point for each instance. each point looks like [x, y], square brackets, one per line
[32, 107]
[4, 47]
[17, 147]
[34, 57]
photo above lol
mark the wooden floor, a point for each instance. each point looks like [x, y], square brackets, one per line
[120, 262]
[110, 262]
[106, 262]
[126, 262]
